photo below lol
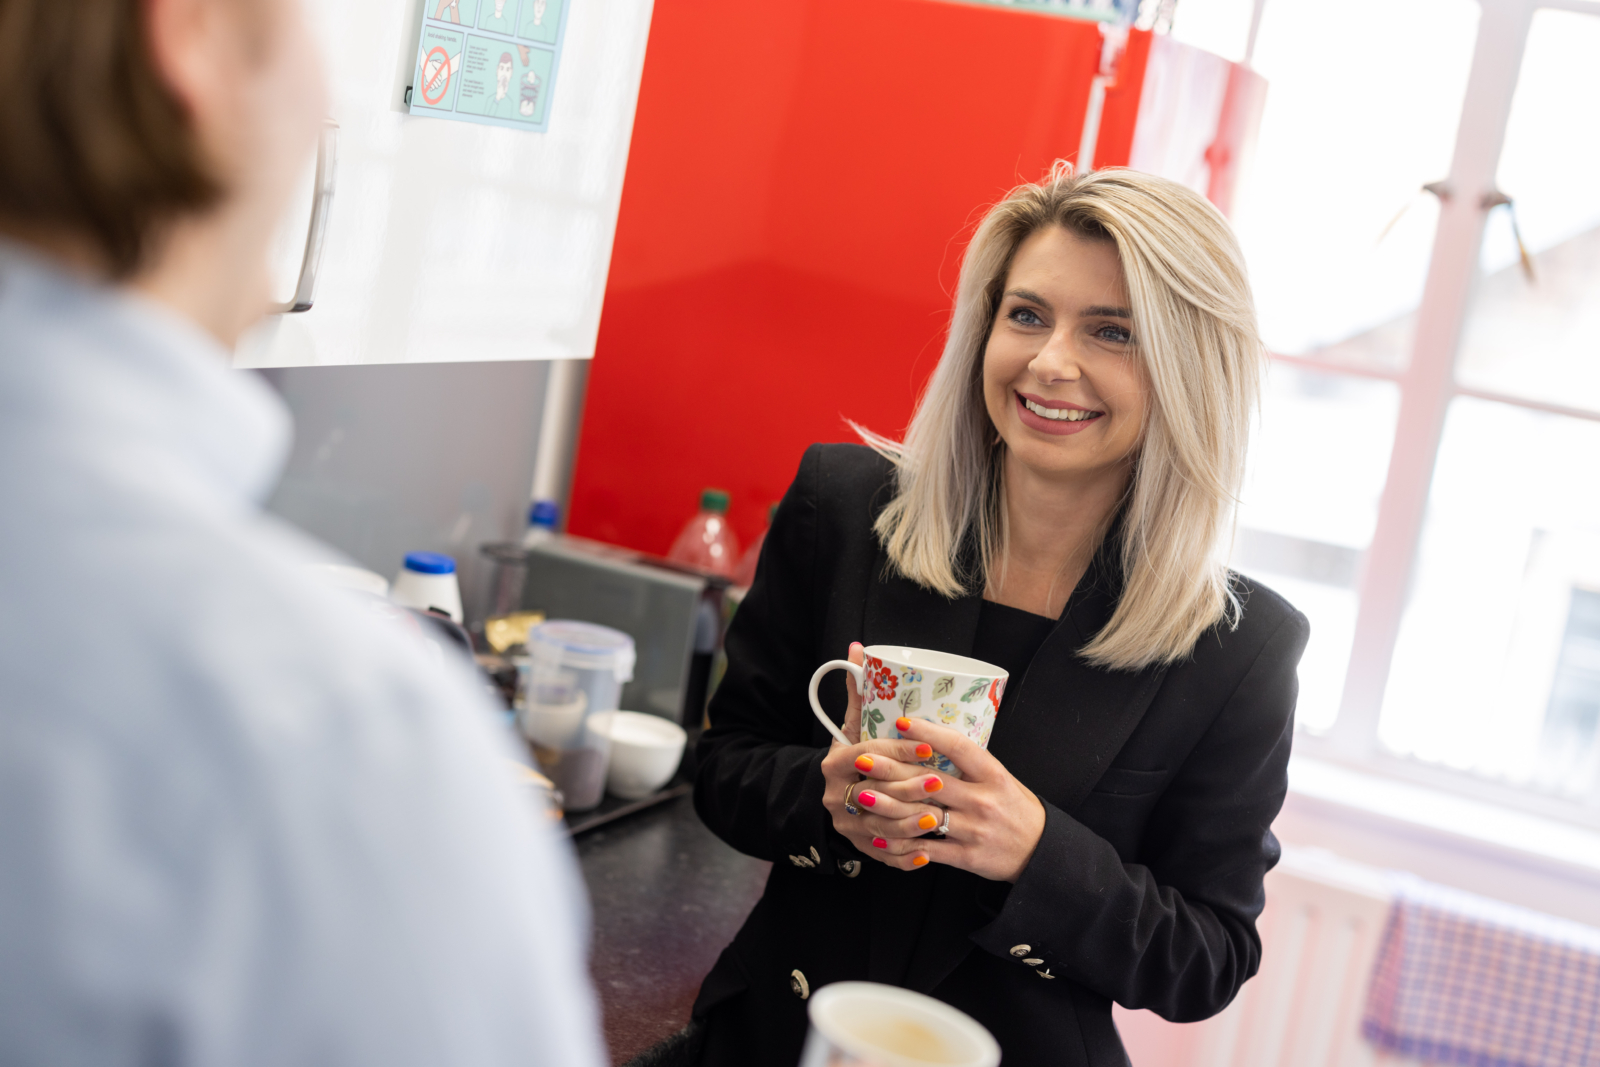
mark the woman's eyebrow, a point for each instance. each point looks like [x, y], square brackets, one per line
[1099, 310]
[1029, 295]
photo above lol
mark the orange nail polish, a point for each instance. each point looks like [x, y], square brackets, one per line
[920, 861]
[902, 724]
[863, 764]
[932, 784]
[878, 842]
[924, 751]
[927, 822]
[868, 799]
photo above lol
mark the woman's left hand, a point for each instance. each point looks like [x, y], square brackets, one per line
[995, 820]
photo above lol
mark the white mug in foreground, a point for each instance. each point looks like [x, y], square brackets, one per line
[919, 683]
[864, 1024]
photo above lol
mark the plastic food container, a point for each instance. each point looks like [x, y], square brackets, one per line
[575, 670]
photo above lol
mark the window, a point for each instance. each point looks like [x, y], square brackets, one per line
[1421, 481]
[1308, 508]
[1510, 551]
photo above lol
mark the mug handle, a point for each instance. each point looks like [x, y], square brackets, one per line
[856, 672]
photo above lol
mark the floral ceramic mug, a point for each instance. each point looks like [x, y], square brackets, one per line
[918, 683]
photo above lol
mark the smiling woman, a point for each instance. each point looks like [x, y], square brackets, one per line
[1118, 292]
[1055, 510]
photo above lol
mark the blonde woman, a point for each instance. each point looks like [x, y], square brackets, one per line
[1058, 507]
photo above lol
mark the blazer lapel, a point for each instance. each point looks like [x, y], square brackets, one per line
[1070, 719]
[1063, 729]
[901, 612]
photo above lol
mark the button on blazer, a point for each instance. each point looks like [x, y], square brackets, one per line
[1159, 788]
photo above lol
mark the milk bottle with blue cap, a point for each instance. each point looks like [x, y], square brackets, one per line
[427, 582]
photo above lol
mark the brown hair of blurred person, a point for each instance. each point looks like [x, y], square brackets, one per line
[97, 146]
[156, 143]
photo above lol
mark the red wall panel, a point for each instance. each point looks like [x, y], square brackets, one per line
[1117, 119]
[802, 180]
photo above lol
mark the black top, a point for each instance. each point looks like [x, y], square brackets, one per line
[1009, 638]
[1159, 788]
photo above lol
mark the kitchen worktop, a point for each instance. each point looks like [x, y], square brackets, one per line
[667, 897]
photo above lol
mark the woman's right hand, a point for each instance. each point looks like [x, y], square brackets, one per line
[891, 760]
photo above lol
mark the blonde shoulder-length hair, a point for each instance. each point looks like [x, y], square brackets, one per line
[1195, 331]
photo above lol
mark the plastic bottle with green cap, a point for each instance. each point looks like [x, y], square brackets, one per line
[745, 575]
[707, 542]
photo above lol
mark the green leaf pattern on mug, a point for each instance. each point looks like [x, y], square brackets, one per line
[870, 718]
[965, 704]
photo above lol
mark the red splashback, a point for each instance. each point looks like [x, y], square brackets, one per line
[1114, 144]
[802, 180]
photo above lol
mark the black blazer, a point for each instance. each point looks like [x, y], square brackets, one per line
[1159, 788]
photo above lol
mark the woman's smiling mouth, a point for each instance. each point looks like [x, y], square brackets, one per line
[1047, 418]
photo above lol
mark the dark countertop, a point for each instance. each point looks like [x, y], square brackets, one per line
[667, 897]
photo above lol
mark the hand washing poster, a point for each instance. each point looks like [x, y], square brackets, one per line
[488, 61]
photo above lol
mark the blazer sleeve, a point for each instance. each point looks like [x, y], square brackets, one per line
[759, 783]
[1176, 933]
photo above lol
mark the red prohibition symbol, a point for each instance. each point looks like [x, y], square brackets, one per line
[433, 89]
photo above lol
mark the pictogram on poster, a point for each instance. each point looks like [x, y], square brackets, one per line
[489, 61]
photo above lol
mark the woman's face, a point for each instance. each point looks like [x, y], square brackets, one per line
[1062, 379]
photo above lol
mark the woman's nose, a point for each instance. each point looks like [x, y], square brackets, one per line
[1057, 361]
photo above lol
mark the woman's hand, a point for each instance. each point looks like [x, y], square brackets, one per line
[995, 820]
[843, 767]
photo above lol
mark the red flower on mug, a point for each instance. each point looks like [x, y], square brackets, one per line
[881, 682]
[996, 690]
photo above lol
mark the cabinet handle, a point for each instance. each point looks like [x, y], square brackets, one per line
[305, 288]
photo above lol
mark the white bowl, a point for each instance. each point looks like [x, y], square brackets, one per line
[645, 751]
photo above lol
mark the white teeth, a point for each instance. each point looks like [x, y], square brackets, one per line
[1058, 414]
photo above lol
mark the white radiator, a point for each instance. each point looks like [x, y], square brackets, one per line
[1319, 935]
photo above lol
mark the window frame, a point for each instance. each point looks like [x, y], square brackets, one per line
[1427, 387]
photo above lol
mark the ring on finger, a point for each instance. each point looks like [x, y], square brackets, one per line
[849, 799]
[944, 827]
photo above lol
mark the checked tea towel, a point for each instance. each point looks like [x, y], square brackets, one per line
[1464, 980]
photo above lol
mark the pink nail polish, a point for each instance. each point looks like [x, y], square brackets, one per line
[868, 799]
[878, 842]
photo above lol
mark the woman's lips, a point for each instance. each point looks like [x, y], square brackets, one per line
[1059, 427]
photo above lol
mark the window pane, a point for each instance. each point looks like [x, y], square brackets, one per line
[1540, 337]
[1362, 107]
[1497, 669]
[1308, 508]
[1221, 27]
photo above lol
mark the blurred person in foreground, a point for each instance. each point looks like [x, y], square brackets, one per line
[241, 823]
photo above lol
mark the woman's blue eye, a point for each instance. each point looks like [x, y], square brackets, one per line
[1119, 334]
[1026, 317]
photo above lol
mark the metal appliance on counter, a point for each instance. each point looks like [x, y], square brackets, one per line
[673, 616]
